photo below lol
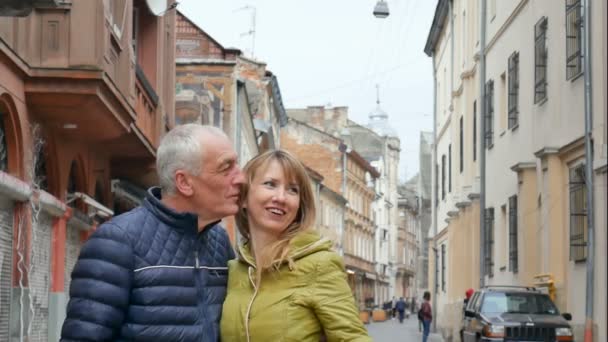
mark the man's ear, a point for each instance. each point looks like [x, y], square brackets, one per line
[183, 183]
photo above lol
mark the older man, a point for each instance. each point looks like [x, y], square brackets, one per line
[159, 272]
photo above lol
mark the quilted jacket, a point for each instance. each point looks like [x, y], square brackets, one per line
[300, 303]
[149, 275]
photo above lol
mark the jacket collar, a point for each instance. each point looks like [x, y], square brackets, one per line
[179, 220]
[303, 244]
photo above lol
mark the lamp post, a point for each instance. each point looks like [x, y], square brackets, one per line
[381, 9]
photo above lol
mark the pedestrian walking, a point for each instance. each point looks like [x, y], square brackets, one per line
[401, 309]
[394, 307]
[426, 315]
[286, 284]
[159, 272]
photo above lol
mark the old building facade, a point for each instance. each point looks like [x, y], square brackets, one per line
[86, 93]
[535, 209]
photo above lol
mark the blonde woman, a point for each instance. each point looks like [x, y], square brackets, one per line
[286, 284]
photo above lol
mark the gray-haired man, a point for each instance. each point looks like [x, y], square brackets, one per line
[159, 272]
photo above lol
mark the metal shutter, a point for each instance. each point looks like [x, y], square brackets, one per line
[40, 276]
[6, 264]
[72, 250]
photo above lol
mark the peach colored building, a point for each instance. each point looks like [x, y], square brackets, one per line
[86, 93]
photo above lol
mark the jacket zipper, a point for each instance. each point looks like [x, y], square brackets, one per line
[196, 262]
[255, 293]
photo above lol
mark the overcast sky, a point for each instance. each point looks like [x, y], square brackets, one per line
[334, 52]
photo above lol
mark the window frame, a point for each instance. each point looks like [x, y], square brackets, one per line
[513, 237]
[489, 124]
[540, 60]
[577, 190]
[513, 86]
[574, 39]
[489, 243]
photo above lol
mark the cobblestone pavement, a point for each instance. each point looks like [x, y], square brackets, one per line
[393, 331]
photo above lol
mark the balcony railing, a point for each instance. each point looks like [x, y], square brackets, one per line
[146, 107]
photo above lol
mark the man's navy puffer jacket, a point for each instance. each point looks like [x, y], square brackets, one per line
[149, 275]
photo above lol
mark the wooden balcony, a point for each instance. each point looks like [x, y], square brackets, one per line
[146, 109]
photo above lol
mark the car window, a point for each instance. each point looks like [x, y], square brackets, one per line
[527, 303]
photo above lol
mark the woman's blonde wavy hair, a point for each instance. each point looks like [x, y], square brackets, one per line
[274, 255]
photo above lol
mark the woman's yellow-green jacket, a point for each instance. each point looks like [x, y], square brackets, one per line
[297, 303]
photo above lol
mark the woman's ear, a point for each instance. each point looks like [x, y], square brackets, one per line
[183, 184]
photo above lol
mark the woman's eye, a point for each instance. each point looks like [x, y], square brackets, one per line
[269, 183]
[294, 190]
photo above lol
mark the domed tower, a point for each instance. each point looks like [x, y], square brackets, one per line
[378, 120]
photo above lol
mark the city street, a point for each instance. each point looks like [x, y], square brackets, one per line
[392, 331]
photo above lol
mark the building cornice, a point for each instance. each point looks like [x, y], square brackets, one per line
[519, 167]
[546, 151]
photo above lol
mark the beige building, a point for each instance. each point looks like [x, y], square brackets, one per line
[536, 210]
[408, 231]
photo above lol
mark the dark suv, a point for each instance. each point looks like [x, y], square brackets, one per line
[509, 313]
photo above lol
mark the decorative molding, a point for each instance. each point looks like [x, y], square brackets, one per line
[519, 167]
[546, 151]
[463, 204]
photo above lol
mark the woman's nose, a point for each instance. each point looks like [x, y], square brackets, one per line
[279, 195]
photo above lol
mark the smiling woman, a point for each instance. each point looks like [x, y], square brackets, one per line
[286, 284]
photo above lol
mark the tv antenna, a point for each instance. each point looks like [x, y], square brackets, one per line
[251, 31]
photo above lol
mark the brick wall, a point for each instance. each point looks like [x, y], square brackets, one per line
[317, 150]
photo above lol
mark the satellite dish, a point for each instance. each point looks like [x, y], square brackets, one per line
[159, 7]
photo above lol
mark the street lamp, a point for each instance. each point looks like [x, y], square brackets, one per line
[381, 9]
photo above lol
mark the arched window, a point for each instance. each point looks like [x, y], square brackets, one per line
[3, 145]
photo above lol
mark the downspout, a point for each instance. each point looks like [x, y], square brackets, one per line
[589, 171]
[450, 11]
[482, 141]
[342, 222]
[434, 193]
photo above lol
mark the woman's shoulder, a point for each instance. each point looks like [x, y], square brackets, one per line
[324, 260]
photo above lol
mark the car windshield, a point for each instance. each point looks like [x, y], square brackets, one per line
[526, 303]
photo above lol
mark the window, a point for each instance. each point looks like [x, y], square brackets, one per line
[574, 60]
[513, 89]
[489, 243]
[540, 60]
[474, 130]
[436, 254]
[450, 168]
[436, 185]
[461, 147]
[443, 267]
[489, 127]
[513, 260]
[3, 146]
[578, 214]
[443, 177]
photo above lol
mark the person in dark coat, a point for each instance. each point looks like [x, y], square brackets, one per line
[159, 272]
[400, 306]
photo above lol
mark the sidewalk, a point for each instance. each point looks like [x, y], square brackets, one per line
[392, 331]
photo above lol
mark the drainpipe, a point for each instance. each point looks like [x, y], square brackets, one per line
[589, 170]
[482, 141]
[343, 148]
[434, 194]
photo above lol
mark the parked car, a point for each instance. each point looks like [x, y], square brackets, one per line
[510, 313]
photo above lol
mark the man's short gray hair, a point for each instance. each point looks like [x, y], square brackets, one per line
[182, 148]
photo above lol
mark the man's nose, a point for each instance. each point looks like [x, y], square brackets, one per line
[239, 178]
